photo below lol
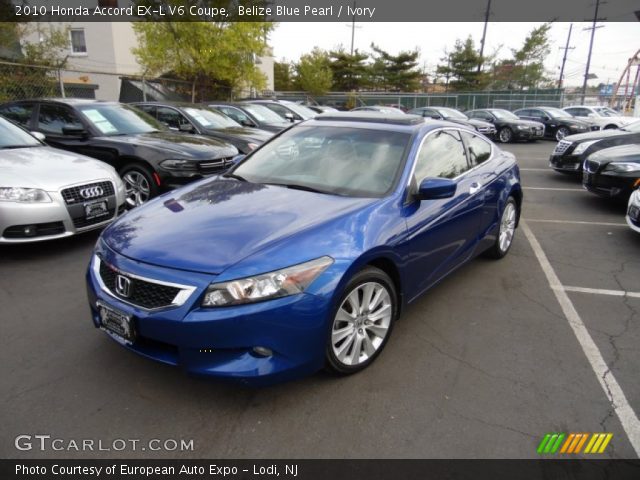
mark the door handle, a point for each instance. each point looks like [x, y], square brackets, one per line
[474, 188]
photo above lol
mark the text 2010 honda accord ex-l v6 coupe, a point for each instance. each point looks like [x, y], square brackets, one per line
[305, 254]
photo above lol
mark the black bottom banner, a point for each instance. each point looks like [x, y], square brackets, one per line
[320, 469]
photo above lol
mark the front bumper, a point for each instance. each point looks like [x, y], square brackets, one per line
[220, 342]
[528, 134]
[53, 220]
[565, 163]
[608, 186]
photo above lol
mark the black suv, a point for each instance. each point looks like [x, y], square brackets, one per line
[149, 157]
[557, 123]
[192, 118]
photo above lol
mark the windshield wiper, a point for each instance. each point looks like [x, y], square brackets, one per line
[295, 186]
[234, 176]
[19, 146]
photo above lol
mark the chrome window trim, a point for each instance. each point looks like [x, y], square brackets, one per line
[180, 299]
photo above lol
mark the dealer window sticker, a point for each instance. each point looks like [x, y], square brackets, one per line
[101, 123]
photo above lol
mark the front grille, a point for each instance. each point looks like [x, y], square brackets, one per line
[591, 166]
[82, 222]
[142, 293]
[214, 166]
[562, 147]
[72, 195]
[35, 230]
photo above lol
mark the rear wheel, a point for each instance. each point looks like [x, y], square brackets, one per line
[505, 135]
[610, 127]
[363, 322]
[139, 184]
[506, 231]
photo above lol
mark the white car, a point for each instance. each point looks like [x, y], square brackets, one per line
[47, 193]
[603, 117]
[633, 211]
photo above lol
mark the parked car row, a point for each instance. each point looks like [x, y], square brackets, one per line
[608, 164]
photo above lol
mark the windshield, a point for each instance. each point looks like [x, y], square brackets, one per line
[451, 113]
[14, 137]
[263, 114]
[557, 113]
[112, 119]
[206, 118]
[304, 112]
[504, 115]
[632, 127]
[342, 161]
[606, 112]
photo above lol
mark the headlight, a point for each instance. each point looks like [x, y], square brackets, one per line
[252, 146]
[522, 127]
[583, 146]
[180, 165]
[281, 283]
[622, 167]
[635, 197]
[26, 195]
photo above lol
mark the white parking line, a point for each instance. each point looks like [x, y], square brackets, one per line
[535, 169]
[576, 222]
[608, 382]
[600, 291]
[555, 189]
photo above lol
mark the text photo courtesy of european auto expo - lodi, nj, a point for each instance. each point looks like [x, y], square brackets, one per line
[319, 239]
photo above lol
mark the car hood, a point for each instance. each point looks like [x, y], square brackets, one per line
[49, 168]
[247, 134]
[479, 123]
[182, 145]
[621, 153]
[217, 222]
[597, 135]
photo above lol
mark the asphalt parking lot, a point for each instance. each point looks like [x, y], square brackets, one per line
[483, 366]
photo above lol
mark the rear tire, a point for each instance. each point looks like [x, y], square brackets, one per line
[506, 230]
[362, 322]
[139, 184]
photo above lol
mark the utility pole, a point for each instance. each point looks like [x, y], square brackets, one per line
[564, 58]
[484, 34]
[593, 31]
[353, 27]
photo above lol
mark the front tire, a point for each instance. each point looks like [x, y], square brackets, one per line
[561, 133]
[506, 231]
[505, 135]
[139, 184]
[362, 322]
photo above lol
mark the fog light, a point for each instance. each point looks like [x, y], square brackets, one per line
[30, 231]
[262, 351]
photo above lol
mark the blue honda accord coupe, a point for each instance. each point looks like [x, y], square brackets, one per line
[305, 253]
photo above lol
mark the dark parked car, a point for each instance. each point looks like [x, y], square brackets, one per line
[455, 116]
[557, 123]
[509, 127]
[379, 109]
[252, 115]
[613, 172]
[190, 118]
[321, 108]
[306, 253]
[149, 158]
[571, 151]
[289, 111]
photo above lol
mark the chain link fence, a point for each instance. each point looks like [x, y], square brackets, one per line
[19, 81]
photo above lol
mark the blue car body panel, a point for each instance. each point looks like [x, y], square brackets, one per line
[221, 229]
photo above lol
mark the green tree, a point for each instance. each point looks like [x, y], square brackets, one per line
[313, 72]
[204, 52]
[528, 71]
[395, 72]
[349, 71]
[461, 69]
[283, 76]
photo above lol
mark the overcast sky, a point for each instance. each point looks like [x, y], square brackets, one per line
[614, 43]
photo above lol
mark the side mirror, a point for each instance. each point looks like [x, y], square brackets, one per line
[186, 127]
[435, 188]
[74, 131]
[545, 119]
[40, 136]
[289, 116]
[247, 123]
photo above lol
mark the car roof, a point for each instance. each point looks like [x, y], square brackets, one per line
[67, 101]
[363, 119]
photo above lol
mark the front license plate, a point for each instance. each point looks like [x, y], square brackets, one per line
[117, 324]
[95, 209]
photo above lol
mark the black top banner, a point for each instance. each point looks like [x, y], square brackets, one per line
[317, 10]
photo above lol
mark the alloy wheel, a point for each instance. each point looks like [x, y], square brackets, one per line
[561, 133]
[505, 135]
[507, 226]
[362, 323]
[137, 188]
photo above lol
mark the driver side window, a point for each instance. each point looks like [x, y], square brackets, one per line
[441, 155]
[52, 119]
[171, 117]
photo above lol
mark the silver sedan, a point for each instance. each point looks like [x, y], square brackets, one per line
[47, 193]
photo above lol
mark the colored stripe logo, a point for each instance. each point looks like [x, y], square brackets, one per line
[573, 443]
